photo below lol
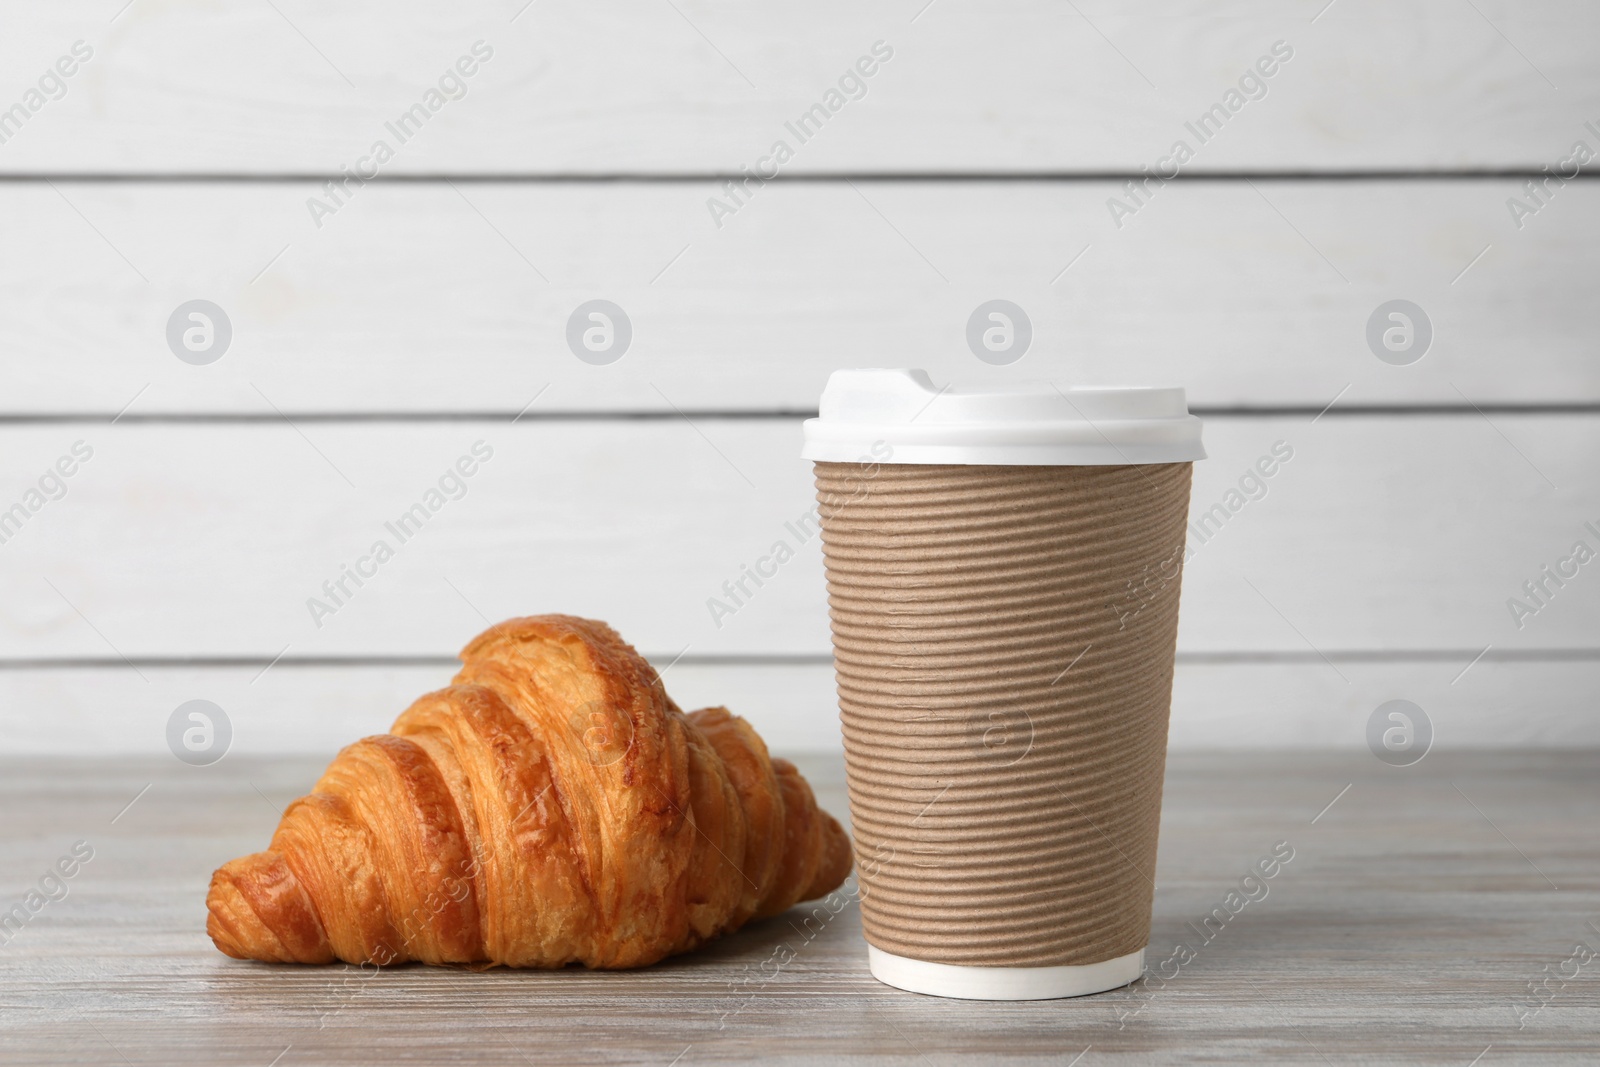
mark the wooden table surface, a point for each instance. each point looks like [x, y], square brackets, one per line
[1408, 927]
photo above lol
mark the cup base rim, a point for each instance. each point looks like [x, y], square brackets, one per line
[1003, 983]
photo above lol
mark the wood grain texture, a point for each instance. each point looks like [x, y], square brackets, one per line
[1404, 930]
[206, 540]
[430, 298]
[642, 88]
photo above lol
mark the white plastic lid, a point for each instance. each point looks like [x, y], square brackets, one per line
[1025, 424]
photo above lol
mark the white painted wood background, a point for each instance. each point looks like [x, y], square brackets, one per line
[428, 312]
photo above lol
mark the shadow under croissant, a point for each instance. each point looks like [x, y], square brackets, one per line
[727, 978]
[764, 946]
[747, 960]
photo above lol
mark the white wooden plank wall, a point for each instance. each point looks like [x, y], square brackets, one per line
[690, 87]
[1209, 286]
[376, 338]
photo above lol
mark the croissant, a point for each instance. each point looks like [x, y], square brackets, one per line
[551, 806]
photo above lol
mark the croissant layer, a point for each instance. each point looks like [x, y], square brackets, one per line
[551, 806]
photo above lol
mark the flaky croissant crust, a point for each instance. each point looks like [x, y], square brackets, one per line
[551, 806]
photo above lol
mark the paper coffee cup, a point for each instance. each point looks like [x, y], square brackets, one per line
[1003, 573]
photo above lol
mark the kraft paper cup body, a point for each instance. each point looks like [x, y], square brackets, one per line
[1003, 575]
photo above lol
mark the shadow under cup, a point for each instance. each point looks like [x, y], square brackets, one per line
[1003, 643]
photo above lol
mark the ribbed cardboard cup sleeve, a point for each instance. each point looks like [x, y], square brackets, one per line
[1003, 643]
